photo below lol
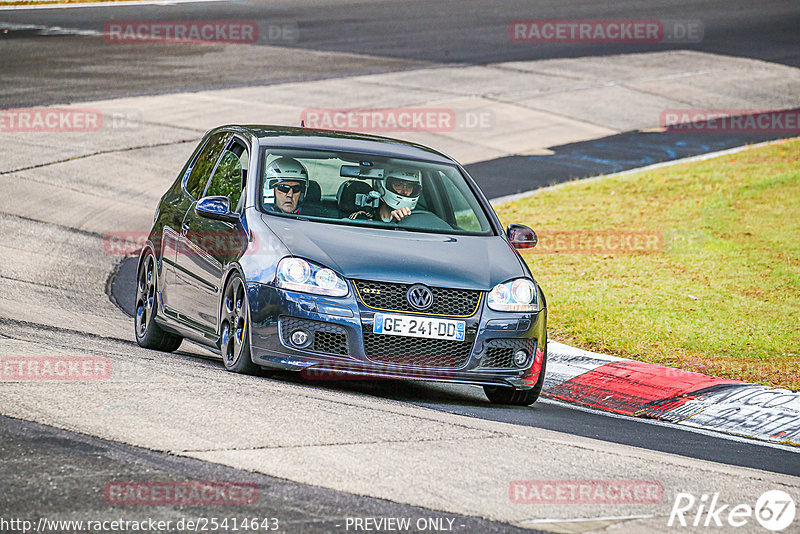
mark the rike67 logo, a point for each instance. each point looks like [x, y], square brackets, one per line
[774, 510]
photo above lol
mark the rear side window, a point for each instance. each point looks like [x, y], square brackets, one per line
[204, 164]
[230, 178]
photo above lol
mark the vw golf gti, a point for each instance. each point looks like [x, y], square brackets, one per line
[343, 255]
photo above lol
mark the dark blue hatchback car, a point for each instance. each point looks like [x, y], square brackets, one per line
[341, 255]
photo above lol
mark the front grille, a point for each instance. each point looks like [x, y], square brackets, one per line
[325, 337]
[500, 352]
[417, 352]
[392, 297]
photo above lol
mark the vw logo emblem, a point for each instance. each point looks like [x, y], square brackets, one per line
[419, 296]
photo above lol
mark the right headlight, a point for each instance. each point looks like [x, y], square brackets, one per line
[300, 275]
[517, 295]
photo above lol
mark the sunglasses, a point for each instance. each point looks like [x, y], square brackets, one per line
[284, 188]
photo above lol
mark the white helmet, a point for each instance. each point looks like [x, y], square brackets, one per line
[410, 181]
[285, 169]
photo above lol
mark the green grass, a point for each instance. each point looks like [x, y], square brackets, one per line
[717, 290]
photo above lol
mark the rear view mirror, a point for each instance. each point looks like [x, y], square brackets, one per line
[520, 236]
[360, 171]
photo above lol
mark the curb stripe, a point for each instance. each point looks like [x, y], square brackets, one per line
[629, 387]
[685, 398]
[665, 409]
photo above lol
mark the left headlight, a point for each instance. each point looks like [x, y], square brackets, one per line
[518, 295]
[300, 275]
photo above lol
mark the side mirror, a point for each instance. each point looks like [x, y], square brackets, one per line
[521, 236]
[217, 208]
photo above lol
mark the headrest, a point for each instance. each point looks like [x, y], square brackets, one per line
[313, 193]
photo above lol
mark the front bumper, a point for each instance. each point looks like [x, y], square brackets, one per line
[337, 348]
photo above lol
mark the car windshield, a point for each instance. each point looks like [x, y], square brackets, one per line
[365, 190]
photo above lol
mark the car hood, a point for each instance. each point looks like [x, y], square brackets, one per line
[466, 262]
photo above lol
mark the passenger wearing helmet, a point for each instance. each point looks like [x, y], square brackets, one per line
[399, 191]
[286, 185]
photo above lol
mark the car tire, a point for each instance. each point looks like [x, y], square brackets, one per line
[517, 397]
[235, 328]
[148, 334]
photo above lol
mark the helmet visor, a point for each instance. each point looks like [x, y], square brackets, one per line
[405, 188]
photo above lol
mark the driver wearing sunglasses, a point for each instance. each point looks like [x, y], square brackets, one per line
[288, 179]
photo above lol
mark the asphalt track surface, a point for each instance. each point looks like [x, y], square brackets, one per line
[65, 463]
[402, 36]
[381, 36]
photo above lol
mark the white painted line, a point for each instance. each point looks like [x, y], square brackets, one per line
[566, 350]
[675, 426]
[585, 519]
[700, 157]
[565, 363]
[48, 30]
[108, 4]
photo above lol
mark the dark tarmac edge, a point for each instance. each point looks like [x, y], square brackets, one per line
[59, 474]
[128, 263]
[608, 155]
[649, 434]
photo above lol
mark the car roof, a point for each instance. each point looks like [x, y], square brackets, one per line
[291, 137]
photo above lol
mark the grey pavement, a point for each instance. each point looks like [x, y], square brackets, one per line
[338, 38]
[62, 476]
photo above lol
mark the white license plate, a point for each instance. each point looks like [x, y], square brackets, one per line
[429, 327]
